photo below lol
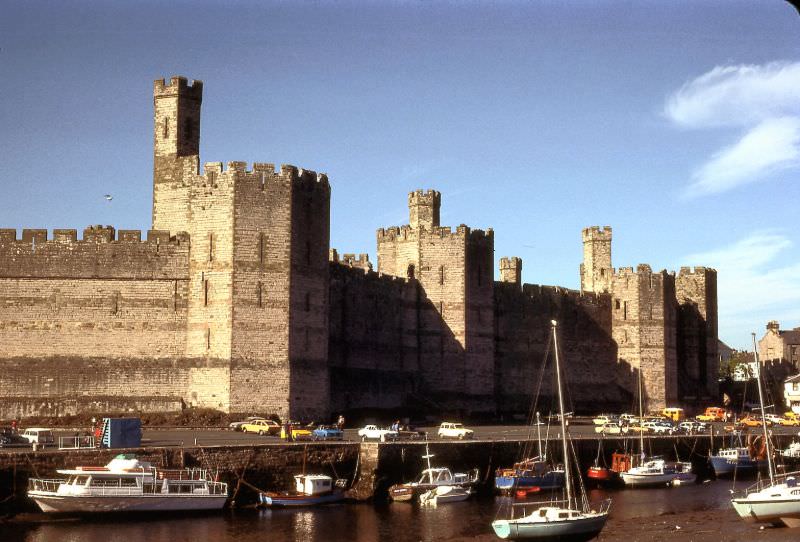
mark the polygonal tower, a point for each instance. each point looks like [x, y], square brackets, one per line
[596, 268]
[176, 150]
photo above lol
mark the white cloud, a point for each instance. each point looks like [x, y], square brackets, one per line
[736, 95]
[752, 285]
[772, 145]
[764, 100]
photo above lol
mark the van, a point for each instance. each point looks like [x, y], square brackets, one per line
[673, 413]
[38, 435]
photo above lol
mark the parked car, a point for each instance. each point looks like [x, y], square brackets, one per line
[373, 432]
[603, 419]
[237, 426]
[9, 439]
[773, 418]
[659, 428]
[297, 432]
[712, 414]
[454, 430]
[39, 435]
[793, 422]
[751, 421]
[692, 427]
[327, 432]
[262, 427]
[409, 433]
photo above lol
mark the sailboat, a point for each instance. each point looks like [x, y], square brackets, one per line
[651, 472]
[568, 519]
[530, 475]
[776, 501]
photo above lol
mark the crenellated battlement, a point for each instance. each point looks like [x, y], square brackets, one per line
[177, 85]
[698, 270]
[540, 291]
[260, 174]
[95, 234]
[597, 233]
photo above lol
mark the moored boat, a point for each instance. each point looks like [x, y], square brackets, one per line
[569, 519]
[445, 494]
[126, 484]
[310, 490]
[432, 478]
[651, 473]
[682, 472]
[529, 473]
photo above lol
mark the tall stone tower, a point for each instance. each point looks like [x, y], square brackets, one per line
[596, 268]
[176, 150]
[423, 209]
[454, 274]
[696, 291]
[511, 270]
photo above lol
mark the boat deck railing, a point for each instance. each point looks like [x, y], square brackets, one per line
[785, 478]
[40, 484]
[172, 488]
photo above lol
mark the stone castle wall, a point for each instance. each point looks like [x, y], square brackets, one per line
[231, 303]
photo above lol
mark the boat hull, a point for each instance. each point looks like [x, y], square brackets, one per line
[551, 531]
[647, 480]
[784, 511]
[52, 503]
[726, 467]
[551, 480]
[284, 500]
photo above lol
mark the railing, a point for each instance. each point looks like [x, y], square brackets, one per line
[75, 443]
[40, 484]
[764, 483]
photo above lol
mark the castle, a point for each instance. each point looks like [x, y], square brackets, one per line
[235, 301]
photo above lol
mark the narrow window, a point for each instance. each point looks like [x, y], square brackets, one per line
[205, 292]
[115, 303]
[260, 294]
[210, 246]
[616, 303]
[602, 272]
[651, 312]
[410, 271]
[166, 128]
[441, 308]
[261, 248]
[441, 274]
[175, 296]
[208, 338]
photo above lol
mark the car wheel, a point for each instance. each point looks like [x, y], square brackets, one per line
[261, 433]
[461, 436]
[363, 439]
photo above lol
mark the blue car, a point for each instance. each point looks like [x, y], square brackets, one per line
[327, 432]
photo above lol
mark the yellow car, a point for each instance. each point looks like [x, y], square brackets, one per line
[298, 433]
[790, 422]
[262, 427]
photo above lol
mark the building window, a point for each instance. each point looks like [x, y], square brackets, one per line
[410, 271]
[210, 247]
[261, 248]
[441, 274]
[616, 304]
[205, 291]
[260, 294]
[166, 128]
[208, 338]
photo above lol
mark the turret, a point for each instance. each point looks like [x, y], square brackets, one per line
[596, 268]
[511, 270]
[423, 209]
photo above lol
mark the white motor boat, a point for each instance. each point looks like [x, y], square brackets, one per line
[569, 519]
[128, 485]
[445, 494]
[654, 472]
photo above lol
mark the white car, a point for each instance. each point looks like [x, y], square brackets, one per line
[454, 430]
[692, 427]
[373, 432]
[659, 428]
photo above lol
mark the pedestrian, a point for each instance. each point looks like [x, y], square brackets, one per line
[340, 422]
[14, 426]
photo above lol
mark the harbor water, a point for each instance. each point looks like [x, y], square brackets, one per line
[697, 513]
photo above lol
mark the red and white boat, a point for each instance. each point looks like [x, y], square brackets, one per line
[128, 485]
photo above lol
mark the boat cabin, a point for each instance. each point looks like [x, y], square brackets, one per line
[313, 484]
[436, 476]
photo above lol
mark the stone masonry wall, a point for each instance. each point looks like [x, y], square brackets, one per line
[696, 292]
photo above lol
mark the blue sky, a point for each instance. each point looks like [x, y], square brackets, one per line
[677, 123]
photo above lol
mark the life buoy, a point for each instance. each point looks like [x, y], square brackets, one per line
[757, 447]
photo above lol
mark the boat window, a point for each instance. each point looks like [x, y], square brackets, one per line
[542, 513]
[81, 480]
[562, 515]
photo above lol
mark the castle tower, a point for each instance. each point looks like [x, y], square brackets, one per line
[511, 270]
[453, 270]
[696, 293]
[423, 209]
[596, 268]
[176, 149]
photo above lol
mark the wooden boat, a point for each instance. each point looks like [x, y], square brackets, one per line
[683, 474]
[310, 490]
[128, 485]
[572, 519]
[531, 472]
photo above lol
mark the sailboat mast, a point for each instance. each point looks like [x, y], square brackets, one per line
[763, 414]
[568, 481]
